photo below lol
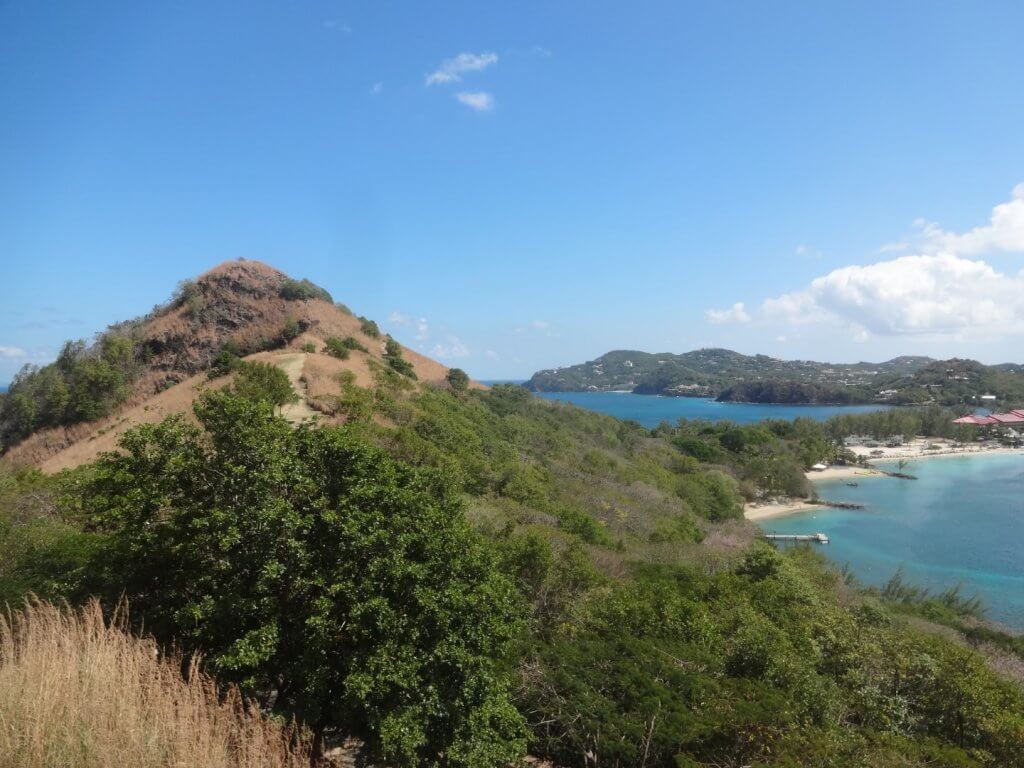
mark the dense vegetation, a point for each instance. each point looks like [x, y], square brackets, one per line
[457, 576]
[786, 391]
[730, 376]
[84, 383]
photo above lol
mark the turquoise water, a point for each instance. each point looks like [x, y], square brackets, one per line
[961, 521]
[651, 410]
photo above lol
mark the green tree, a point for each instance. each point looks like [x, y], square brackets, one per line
[313, 569]
[458, 380]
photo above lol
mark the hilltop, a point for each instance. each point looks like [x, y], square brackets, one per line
[141, 370]
[734, 377]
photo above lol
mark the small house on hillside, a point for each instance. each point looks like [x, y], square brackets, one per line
[819, 467]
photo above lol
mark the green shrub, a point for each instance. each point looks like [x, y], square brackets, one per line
[309, 347]
[351, 342]
[369, 327]
[226, 361]
[186, 290]
[458, 380]
[393, 357]
[263, 382]
[341, 348]
[302, 290]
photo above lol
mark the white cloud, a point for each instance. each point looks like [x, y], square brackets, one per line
[924, 294]
[492, 355]
[452, 70]
[454, 347]
[735, 314]
[1004, 231]
[398, 318]
[12, 353]
[480, 101]
[939, 292]
[422, 329]
[539, 324]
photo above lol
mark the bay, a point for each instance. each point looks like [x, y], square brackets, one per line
[651, 410]
[960, 523]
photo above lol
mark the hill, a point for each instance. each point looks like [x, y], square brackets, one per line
[731, 376]
[454, 575]
[142, 370]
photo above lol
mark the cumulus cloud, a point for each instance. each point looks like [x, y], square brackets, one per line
[1004, 231]
[479, 101]
[942, 290]
[452, 70]
[735, 314]
[398, 318]
[454, 347]
[12, 353]
[923, 294]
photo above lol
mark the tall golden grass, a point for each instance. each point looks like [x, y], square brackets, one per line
[78, 691]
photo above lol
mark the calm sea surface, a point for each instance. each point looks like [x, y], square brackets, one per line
[961, 522]
[651, 410]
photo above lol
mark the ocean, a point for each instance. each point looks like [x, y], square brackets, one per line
[961, 522]
[651, 410]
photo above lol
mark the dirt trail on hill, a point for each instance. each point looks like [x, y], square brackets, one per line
[292, 365]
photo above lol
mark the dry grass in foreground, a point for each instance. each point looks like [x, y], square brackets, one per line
[78, 691]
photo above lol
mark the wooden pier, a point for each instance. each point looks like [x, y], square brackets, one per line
[818, 538]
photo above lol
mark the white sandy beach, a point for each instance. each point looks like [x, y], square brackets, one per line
[912, 451]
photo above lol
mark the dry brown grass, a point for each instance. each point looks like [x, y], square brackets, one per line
[78, 691]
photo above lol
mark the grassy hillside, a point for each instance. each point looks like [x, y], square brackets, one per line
[141, 370]
[362, 541]
[591, 581]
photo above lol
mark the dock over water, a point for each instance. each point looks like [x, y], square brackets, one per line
[818, 538]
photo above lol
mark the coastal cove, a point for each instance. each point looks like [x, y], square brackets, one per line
[960, 523]
[651, 410]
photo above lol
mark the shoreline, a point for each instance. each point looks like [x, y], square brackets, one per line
[781, 507]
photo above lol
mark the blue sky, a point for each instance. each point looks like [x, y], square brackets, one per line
[521, 185]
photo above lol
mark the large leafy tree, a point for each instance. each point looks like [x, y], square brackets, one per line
[339, 585]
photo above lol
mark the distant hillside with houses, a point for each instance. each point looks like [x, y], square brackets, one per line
[733, 377]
